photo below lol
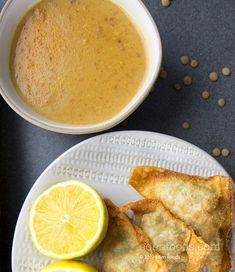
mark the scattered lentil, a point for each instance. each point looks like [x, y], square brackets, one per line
[213, 76]
[194, 63]
[221, 102]
[226, 71]
[186, 125]
[163, 74]
[184, 60]
[166, 3]
[225, 152]
[205, 95]
[216, 152]
[177, 87]
[124, 123]
[188, 80]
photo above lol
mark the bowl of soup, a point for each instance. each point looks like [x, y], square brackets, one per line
[77, 66]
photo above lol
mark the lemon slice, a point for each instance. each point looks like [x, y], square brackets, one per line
[69, 266]
[68, 220]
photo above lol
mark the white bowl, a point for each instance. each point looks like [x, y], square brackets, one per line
[11, 15]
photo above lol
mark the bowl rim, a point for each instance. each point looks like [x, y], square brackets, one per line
[88, 129]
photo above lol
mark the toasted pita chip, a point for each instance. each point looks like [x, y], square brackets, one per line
[127, 248]
[204, 204]
[178, 245]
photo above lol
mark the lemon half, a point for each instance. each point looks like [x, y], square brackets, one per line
[69, 266]
[68, 220]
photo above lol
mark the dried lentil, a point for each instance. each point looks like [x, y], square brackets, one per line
[213, 76]
[188, 80]
[177, 87]
[124, 123]
[225, 152]
[163, 74]
[194, 63]
[205, 95]
[166, 3]
[226, 71]
[184, 60]
[216, 152]
[221, 102]
[186, 125]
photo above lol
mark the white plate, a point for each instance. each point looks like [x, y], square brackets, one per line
[105, 162]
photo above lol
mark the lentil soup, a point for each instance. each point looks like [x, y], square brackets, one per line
[77, 61]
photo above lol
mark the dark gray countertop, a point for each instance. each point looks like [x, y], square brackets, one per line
[202, 29]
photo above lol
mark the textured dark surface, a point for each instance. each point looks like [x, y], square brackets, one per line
[202, 29]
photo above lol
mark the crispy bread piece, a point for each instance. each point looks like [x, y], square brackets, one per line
[204, 204]
[181, 249]
[127, 248]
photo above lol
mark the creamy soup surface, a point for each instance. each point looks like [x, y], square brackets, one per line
[77, 61]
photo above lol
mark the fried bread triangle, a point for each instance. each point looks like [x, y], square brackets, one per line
[127, 248]
[206, 205]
